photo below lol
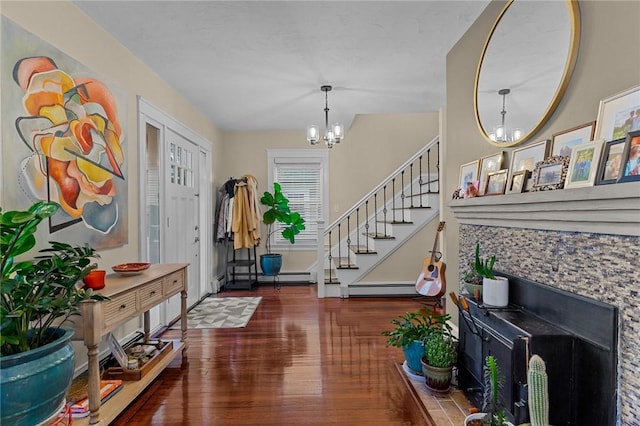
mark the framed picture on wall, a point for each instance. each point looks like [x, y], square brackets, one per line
[550, 174]
[468, 174]
[496, 182]
[631, 158]
[610, 162]
[619, 115]
[525, 158]
[583, 164]
[488, 164]
[562, 142]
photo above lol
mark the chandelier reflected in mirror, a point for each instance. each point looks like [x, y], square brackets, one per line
[500, 133]
[332, 134]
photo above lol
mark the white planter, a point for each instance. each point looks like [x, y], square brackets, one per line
[495, 292]
[479, 416]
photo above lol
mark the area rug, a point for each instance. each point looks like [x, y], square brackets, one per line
[222, 312]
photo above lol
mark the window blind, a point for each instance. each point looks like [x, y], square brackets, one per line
[302, 184]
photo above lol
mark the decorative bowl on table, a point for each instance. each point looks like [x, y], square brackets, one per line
[131, 268]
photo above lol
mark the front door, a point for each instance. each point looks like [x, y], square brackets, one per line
[182, 222]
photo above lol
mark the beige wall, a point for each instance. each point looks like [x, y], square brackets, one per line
[117, 65]
[65, 27]
[374, 146]
[604, 67]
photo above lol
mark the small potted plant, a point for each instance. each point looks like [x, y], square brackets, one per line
[440, 354]
[493, 413]
[278, 210]
[495, 290]
[37, 297]
[409, 334]
[472, 281]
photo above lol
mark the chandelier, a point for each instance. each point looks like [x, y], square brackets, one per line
[333, 134]
[500, 133]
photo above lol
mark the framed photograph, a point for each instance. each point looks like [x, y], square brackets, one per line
[631, 158]
[488, 164]
[562, 142]
[518, 181]
[550, 174]
[610, 162]
[525, 158]
[583, 164]
[496, 182]
[468, 173]
[619, 115]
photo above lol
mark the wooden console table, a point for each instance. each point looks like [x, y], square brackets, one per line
[130, 296]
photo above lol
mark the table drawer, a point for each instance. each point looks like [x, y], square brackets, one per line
[173, 283]
[150, 294]
[120, 307]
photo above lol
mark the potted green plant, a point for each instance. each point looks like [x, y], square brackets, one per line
[493, 413]
[278, 211]
[409, 334]
[36, 297]
[440, 354]
[472, 281]
[495, 290]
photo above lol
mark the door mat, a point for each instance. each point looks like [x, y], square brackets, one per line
[221, 312]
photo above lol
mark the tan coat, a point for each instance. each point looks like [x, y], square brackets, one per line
[246, 214]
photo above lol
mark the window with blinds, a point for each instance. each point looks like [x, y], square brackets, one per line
[302, 180]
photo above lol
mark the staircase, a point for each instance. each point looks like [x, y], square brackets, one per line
[378, 225]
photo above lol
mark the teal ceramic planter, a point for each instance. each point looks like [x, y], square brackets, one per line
[413, 354]
[34, 383]
[270, 264]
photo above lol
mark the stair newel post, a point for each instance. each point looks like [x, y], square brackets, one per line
[349, 241]
[366, 225]
[420, 181]
[320, 260]
[411, 181]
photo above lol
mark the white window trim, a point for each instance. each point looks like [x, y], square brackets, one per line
[320, 156]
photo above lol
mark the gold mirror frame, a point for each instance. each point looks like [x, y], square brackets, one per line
[570, 61]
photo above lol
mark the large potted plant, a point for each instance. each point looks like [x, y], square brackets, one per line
[278, 211]
[440, 355]
[495, 290]
[36, 297]
[409, 334]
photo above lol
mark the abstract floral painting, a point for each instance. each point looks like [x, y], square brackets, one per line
[63, 141]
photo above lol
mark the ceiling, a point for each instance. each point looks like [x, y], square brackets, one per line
[259, 65]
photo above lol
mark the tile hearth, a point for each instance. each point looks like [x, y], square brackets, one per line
[446, 410]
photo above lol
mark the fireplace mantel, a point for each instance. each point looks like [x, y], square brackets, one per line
[605, 209]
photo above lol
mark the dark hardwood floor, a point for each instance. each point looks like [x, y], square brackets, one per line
[300, 361]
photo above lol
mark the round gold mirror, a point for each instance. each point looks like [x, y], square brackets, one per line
[525, 68]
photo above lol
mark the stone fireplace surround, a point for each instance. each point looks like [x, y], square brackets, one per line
[585, 241]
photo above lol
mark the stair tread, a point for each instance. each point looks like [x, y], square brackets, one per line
[379, 236]
[410, 207]
[422, 193]
[363, 250]
[396, 222]
[345, 263]
[330, 277]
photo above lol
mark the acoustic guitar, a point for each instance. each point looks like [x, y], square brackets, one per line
[431, 281]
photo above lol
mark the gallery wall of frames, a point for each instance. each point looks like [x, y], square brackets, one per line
[601, 152]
